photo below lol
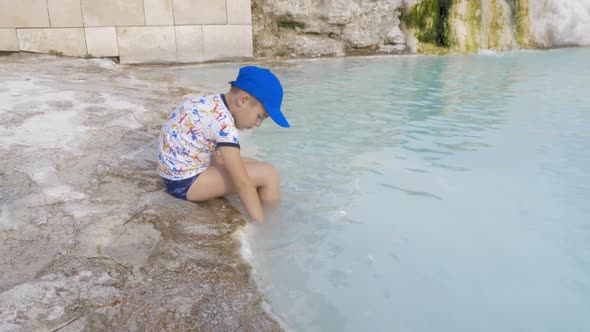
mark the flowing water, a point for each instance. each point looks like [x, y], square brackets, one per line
[444, 193]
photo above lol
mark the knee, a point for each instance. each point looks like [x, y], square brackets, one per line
[272, 175]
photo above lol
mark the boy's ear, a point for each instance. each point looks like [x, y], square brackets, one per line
[244, 99]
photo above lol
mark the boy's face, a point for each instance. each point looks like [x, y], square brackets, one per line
[251, 113]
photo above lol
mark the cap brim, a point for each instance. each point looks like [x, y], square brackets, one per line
[277, 116]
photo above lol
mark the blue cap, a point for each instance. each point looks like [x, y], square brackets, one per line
[265, 86]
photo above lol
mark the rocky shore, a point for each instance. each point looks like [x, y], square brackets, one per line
[89, 239]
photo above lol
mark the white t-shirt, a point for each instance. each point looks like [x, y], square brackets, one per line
[192, 133]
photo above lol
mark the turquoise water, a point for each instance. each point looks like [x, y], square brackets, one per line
[432, 194]
[444, 193]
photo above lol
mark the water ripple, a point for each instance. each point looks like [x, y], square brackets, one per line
[412, 192]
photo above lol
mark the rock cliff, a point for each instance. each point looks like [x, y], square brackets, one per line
[349, 27]
[327, 27]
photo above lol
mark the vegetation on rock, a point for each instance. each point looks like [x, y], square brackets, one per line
[428, 20]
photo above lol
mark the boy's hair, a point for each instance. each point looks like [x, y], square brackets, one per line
[234, 89]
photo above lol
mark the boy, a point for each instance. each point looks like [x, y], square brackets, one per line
[189, 162]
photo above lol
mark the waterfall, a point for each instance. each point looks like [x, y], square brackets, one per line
[497, 29]
[557, 23]
[487, 24]
[473, 25]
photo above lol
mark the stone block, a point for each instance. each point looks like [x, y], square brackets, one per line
[23, 14]
[189, 43]
[158, 12]
[105, 13]
[239, 12]
[102, 42]
[193, 12]
[8, 41]
[146, 44]
[227, 41]
[65, 13]
[68, 41]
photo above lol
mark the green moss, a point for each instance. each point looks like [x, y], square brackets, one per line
[431, 48]
[474, 23]
[496, 25]
[501, 19]
[521, 21]
[291, 25]
[429, 21]
[433, 23]
[372, 49]
[466, 14]
[57, 53]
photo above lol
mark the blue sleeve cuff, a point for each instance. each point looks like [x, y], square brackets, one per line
[235, 145]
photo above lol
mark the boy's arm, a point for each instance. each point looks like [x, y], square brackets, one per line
[217, 159]
[244, 188]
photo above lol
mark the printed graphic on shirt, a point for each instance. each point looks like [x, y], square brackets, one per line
[192, 133]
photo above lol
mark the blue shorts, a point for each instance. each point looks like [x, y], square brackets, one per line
[179, 188]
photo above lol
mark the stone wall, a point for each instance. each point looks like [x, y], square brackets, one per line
[328, 27]
[136, 31]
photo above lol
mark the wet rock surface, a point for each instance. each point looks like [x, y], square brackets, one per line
[89, 240]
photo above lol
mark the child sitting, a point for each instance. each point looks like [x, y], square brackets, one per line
[199, 150]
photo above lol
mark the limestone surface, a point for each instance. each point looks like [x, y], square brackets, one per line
[89, 240]
[319, 28]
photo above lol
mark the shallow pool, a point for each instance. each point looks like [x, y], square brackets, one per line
[432, 194]
[443, 193]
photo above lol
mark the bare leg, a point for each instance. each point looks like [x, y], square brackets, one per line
[216, 182]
